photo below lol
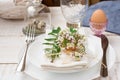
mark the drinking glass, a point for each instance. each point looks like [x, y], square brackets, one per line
[98, 28]
[73, 11]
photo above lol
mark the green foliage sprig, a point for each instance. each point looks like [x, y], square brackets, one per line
[55, 49]
[73, 30]
[64, 39]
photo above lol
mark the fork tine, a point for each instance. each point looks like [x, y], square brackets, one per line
[27, 33]
[33, 36]
[30, 33]
[33, 32]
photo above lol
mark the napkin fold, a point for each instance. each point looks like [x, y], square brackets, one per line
[73, 66]
[112, 10]
[66, 64]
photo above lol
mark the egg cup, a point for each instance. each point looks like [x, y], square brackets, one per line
[98, 28]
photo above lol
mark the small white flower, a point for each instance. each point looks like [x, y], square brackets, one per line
[67, 35]
[73, 40]
[70, 45]
[70, 37]
[60, 38]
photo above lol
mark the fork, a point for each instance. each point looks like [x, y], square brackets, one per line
[30, 37]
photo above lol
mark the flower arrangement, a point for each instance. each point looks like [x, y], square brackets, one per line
[68, 40]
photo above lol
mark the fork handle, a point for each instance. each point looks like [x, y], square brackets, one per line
[21, 65]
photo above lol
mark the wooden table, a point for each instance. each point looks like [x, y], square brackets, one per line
[7, 70]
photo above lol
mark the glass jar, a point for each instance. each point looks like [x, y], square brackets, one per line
[37, 15]
[38, 11]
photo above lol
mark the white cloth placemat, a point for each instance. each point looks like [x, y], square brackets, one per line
[11, 36]
[11, 40]
[10, 49]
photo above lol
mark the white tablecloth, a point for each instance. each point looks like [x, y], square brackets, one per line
[12, 42]
[12, 39]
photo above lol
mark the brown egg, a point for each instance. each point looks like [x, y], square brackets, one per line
[98, 16]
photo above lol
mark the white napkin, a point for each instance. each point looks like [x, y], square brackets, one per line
[64, 64]
[94, 44]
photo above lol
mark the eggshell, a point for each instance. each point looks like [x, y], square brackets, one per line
[98, 16]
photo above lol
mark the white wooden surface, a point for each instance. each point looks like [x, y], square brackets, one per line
[12, 41]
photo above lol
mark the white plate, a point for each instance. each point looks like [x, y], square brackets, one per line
[36, 54]
[88, 74]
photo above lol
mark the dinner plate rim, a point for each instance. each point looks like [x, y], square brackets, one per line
[40, 37]
[34, 70]
[96, 74]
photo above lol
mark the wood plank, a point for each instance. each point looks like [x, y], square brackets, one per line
[51, 2]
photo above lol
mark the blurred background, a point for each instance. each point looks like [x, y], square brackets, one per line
[57, 2]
